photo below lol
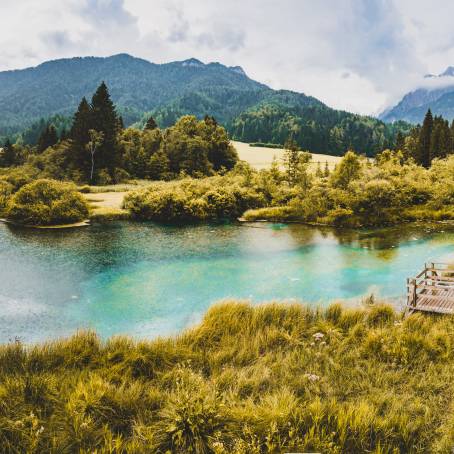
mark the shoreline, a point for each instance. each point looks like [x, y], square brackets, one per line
[84, 223]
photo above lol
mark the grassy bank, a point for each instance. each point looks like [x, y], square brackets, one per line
[264, 379]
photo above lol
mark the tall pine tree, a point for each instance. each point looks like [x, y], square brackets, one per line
[424, 157]
[79, 134]
[48, 138]
[400, 141]
[105, 120]
[151, 124]
[8, 157]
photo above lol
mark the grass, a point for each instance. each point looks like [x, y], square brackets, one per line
[120, 187]
[105, 214]
[107, 206]
[265, 379]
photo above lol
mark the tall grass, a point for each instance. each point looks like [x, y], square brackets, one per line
[264, 379]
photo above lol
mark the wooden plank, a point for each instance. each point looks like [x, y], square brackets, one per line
[446, 288]
[434, 309]
[425, 296]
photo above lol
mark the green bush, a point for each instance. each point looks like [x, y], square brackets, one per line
[47, 202]
[266, 145]
[5, 193]
[276, 214]
[211, 199]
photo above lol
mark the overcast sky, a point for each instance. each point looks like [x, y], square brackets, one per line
[357, 55]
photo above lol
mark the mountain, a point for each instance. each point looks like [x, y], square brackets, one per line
[248, 109]
[438, 95]
[136, 86]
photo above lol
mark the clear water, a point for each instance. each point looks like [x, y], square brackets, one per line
[147, 280]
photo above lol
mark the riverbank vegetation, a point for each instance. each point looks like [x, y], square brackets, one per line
[47, 202]
[434, 139]
[196, 174]
[265, 379]
[356, 193]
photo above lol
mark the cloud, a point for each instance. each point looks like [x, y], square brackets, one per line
[358, 55]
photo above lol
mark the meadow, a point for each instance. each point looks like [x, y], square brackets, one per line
[261, 157]
[266, 379]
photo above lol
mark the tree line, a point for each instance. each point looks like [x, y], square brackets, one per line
[431, 140]
[98, 149]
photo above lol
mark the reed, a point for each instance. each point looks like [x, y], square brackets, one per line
[249, 379]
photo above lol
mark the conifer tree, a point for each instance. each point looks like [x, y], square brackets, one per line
[292, 155]
[105, 120]
[8, 158]
[326, 171]
[121, 124]
[48, 138]
[63, 134]
[400, 141]
[80, 136]
[424, 157]
[151, 124]
[209, 119]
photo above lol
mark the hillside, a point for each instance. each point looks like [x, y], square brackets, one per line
[438, 96]
[250, 110]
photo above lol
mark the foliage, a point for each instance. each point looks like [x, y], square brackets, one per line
[313, 126]
[359, 193]
[48, 138]
[265, 145]
[47, 202]
[6, 190]
[188, 200]
[271, 378]
[433, 140]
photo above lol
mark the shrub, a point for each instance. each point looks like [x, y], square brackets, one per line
[47, 202]
[5, 193]
[212, 199]
[269, 214]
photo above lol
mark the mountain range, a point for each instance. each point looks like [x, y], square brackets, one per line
[437, 95]
[250, 110]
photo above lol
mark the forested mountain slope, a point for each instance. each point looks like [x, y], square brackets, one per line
[248, 109]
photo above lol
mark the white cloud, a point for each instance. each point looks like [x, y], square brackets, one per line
[358, 55]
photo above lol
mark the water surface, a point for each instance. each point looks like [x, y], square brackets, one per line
[147, 280]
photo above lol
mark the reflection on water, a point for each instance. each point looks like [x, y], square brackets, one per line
[148, 280]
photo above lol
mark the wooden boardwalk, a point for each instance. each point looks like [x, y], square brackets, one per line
[432, 290]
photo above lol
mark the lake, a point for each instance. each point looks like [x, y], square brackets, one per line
[147, 280]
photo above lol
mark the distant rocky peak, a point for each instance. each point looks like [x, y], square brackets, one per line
[449, 71]
[192, 62]
[237, 69]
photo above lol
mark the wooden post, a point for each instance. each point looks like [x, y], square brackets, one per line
[411, 292]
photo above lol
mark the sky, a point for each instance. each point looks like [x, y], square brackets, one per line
[356, 55]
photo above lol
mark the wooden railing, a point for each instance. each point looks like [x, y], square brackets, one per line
[434, 282]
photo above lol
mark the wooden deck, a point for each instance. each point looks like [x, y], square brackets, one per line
[432, 290]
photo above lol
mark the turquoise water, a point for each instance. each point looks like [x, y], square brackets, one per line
[147, 280]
